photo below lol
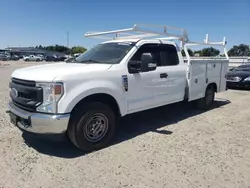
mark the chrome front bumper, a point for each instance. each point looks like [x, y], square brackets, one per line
[37, 122]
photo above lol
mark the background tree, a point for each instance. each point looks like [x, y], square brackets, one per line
[240, 50]
[191, 53]
[197, 52]
[63, 49]
[58, 48]
[40, 47]
[77, 49]
[208, 52]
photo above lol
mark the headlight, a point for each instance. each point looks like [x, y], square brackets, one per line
[237, 79]
[52, 93]
[247, 79]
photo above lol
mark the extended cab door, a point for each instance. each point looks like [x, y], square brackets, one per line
[142, 85]
[172, 77]
[162, 86]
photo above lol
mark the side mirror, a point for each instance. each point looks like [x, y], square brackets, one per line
[147, 63]
[134, 67]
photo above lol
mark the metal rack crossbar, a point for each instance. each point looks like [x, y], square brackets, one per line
[160, 32]
[139, 31]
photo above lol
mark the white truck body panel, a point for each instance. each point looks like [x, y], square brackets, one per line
[109, 82]
[223, 79]
[147, 90]
[204, 72]
[61, 71]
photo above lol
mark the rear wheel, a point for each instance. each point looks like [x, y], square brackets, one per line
[92, 127]
[206, 102]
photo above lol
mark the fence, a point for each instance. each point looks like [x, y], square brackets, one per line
[236, 61]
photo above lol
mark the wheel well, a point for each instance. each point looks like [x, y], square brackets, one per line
[103, 98]
[214, 85]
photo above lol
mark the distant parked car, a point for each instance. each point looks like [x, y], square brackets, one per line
[70, 60]
[244, 66]
[239, 77]
[4, 57]
[14, 57]
[20, 56]
[51, 58]
[32, 58]
[41, 56]
[77, 54]
[55, 58]
[61, 58]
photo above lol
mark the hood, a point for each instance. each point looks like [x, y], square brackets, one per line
[49, 72]
[239, 73]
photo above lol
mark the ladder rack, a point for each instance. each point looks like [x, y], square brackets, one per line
[139, 31]
[160, 32]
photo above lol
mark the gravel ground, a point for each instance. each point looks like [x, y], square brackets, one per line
[173, 146]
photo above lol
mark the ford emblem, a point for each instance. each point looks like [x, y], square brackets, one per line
[14, 92]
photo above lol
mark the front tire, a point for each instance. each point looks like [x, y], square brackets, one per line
[92, 127]
[206, 102]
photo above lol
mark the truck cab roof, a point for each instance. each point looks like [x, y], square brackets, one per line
[137, 40]
[122, 40]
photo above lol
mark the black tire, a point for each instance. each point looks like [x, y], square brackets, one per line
[206, 102]
[37, 60]
[79, 129]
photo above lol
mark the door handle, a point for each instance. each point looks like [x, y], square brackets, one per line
[163, 75]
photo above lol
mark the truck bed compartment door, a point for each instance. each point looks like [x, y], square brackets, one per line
[197, 80]
[223, 81]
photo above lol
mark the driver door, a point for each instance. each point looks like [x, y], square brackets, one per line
[143, 86]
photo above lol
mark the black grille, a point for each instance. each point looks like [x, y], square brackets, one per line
[24, 82]
[25, 94]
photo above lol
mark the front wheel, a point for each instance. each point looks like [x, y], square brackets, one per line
[206, 102]
[92, 127]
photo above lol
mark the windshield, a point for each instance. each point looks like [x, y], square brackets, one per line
[107, 53]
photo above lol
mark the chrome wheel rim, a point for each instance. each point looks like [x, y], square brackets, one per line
[96, 127]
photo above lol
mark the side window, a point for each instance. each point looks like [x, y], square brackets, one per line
[154, 49]
[169, 55]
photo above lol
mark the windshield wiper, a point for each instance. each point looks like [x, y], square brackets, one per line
[89, 60]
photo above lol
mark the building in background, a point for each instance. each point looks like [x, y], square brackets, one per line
[21, 51]
[2, 51]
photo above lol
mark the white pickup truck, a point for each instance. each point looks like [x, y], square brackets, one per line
[33, 58]
[84, 99]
